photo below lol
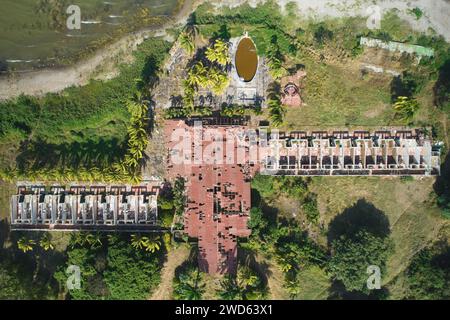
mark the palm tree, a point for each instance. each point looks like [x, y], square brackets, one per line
[94, 240]
[77, 238]
[247, 277]
[221, 82]
[189, 285]
[276, 67]
[406, 108]
[152, 244]
[138, 241]
[199, 74]
[230, 290]
[192, 81]
[113, 238]
[191, 29]
[187, 42]
[276, 112]
[46, 243]
[293, 288]
[25, 244]
[245, 285]
[137, 135]
[218, 52]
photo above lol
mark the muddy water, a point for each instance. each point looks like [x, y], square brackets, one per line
[246, 59]
[33, 34]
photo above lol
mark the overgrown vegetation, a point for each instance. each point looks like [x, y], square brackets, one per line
[80, 134]
[405, 108]
[271, 187]
[110, 268]
[207, 72]
[428, 276]
[417, 12]
[351, 256]
[189, 281]
[284, 239]
[245, 285]
[28, 274]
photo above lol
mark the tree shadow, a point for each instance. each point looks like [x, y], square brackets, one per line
[223, 33]
[442, 184]
[40, 154]
[274, 90]
[190, 262]
[337, 291]
[176, 101]
[191, 21]
[269, 213]
[3, 65]
[248, 258]
[405, 85]
[442, 258]
[361, 216]
[149, 73]
[4, 232]
[199, 56]
[441, 88]
[35, 269]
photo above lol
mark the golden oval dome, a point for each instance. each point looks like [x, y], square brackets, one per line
[246, 59]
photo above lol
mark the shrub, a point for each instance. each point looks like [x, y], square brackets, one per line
[352, 255]
[428, 275]
[310, 208]
[405, 108]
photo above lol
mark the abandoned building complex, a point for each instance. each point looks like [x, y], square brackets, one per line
[112, 208]
[387, 152]
[218, 192]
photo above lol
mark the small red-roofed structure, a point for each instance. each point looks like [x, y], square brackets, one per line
[291, 87]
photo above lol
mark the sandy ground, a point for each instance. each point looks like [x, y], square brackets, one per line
[436, 13]
[175, 257]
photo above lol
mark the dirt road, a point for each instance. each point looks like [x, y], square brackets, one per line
[175, 257]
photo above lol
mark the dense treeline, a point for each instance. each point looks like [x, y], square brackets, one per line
[428, 276]
[110, 268]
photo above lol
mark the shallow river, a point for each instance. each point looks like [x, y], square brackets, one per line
[35, 34]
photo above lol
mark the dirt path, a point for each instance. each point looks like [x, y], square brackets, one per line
[275, 278]
[174, 258]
